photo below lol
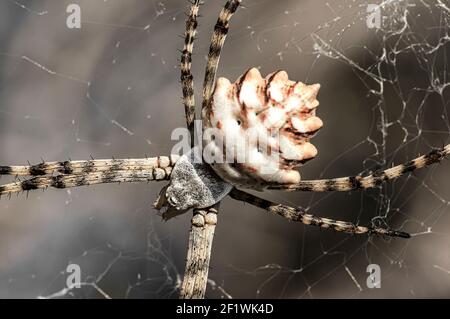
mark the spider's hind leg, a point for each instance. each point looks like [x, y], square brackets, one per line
[299, 215]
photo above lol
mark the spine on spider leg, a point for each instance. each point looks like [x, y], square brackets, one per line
[344, 184]
[298, 215]
[90, 166]
[217, 42]
[187, 80]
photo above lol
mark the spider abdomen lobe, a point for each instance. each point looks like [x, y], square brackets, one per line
[259, 129]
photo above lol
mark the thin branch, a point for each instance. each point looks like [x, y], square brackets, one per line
[298, 215]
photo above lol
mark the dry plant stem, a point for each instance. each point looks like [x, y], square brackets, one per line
[199, 253]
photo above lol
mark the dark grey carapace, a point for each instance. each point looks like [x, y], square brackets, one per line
[193, 184]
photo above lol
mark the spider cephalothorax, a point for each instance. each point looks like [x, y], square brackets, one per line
[261, 127]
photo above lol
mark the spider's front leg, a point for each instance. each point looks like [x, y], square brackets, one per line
[83, 173]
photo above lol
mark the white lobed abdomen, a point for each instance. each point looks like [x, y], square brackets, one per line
[257, 130]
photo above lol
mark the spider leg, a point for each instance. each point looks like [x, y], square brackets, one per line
[345, 184]
[76, 180]
[298, 215]
[90, 166]
[217, 41]
[187, 80]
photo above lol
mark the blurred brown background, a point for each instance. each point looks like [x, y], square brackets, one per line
[111, 89]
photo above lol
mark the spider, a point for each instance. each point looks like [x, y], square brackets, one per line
[90, 172]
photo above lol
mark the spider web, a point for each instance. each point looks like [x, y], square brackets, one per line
[111, 89]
